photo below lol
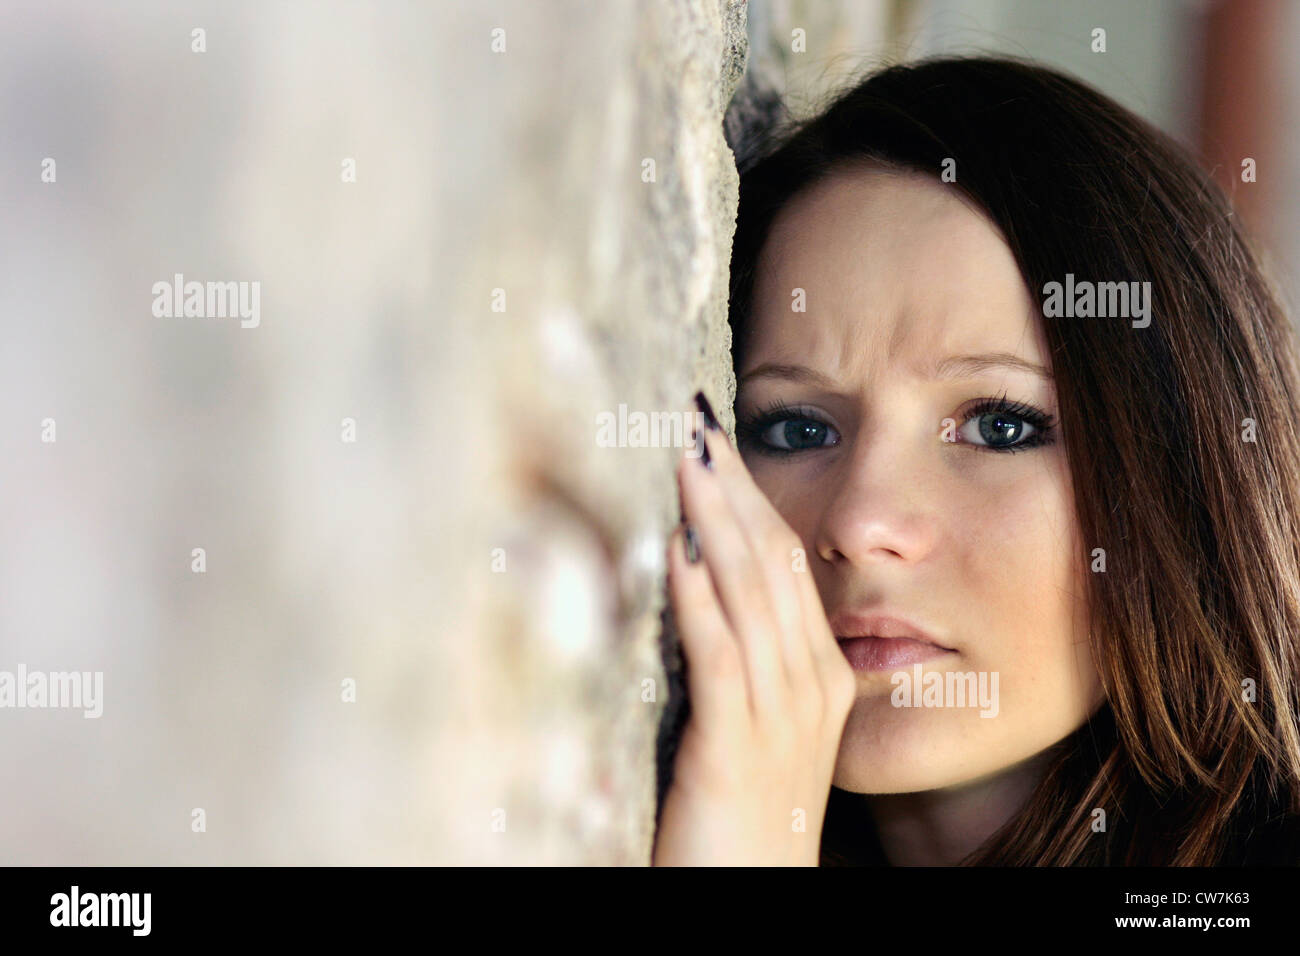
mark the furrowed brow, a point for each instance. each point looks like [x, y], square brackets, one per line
[790, 373]
[953, 366]
[958, 366]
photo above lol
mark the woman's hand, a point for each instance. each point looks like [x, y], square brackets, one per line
[770, 689]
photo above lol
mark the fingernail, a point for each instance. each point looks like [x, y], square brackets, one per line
[703, 405]
[705, 458]
[692, 546]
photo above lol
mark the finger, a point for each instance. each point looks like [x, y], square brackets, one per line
[832, 671]
[758, 515]
[718, 687]
[739, 581]
[775, 544]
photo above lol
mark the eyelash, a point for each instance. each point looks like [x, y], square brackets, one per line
[1042, 422]
[750, 430]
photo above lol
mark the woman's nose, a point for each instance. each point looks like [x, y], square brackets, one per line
[882, 507]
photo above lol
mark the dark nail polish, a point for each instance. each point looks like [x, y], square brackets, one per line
[705, 458]
[692, 546]
[703, 405]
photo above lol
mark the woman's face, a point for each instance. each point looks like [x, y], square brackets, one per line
[916, 315]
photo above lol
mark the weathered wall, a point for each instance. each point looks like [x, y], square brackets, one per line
[487, 574]
[616, 295]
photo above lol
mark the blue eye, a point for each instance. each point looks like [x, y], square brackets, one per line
[782, 430]
[999, 425]
[796, 434]
[997, 429]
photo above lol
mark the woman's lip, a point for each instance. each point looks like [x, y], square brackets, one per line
[848, 625]
[887, 653]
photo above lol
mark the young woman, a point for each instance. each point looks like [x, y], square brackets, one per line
[1007, 567]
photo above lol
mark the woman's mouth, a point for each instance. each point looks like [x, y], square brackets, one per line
[887, 653]
[882, 641]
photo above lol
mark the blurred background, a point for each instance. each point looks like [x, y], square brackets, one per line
[1221, 76]
[362, 583]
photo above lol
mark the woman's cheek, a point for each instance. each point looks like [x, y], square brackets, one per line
[1019, 572]
[794, 498]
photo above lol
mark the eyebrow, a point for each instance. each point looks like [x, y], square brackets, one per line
[791, 373]
[953, 366]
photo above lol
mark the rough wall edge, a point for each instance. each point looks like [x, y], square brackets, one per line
[718, 381]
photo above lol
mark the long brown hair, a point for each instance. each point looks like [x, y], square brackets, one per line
[1200, 599]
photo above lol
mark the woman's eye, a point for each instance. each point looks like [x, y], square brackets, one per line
[997, 430]
[797, 434]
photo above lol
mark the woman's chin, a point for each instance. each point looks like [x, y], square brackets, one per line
[885, 749]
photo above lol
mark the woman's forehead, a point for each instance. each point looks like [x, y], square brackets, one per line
[870, 261]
